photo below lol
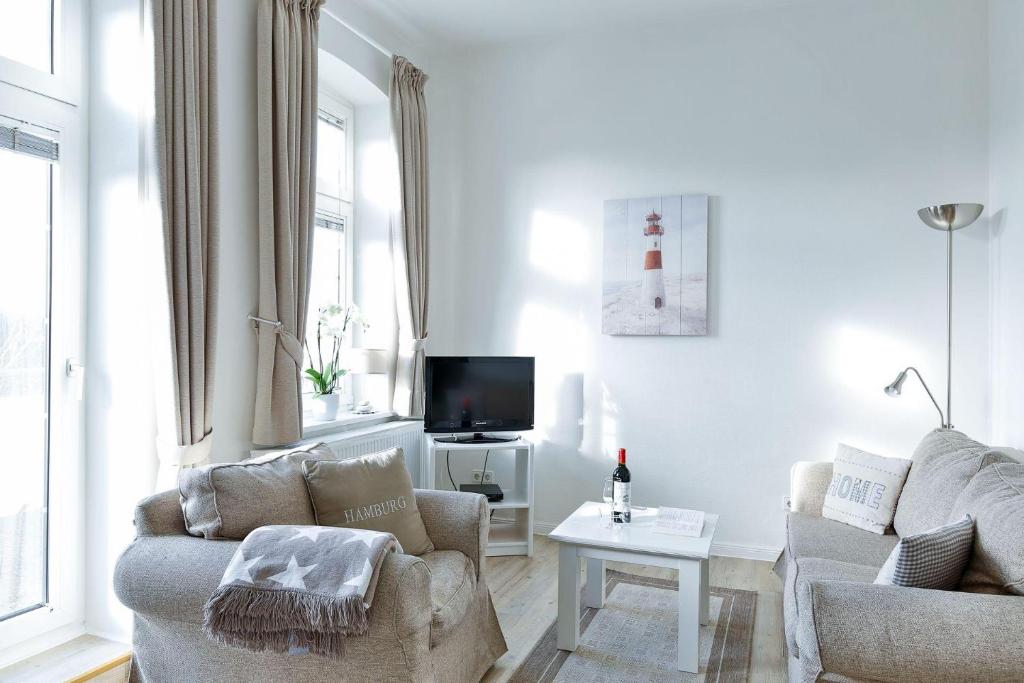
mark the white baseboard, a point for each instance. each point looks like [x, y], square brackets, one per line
[745, 552]
[761, 553]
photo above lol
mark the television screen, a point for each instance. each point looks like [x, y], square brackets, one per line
[478, 394]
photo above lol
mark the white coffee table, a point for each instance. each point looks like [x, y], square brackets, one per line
[586, 534]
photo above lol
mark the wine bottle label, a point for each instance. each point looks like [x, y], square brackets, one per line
[620, 496]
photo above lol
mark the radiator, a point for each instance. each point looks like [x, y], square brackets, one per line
[405, 434]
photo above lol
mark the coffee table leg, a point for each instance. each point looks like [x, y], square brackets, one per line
[568, 597]
[593, 594]
[689, 615]
[705, 593]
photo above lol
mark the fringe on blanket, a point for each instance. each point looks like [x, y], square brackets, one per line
[282, 620]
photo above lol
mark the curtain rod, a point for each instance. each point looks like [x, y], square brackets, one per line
[373, 43]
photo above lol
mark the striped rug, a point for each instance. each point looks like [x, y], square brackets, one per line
[633, 638]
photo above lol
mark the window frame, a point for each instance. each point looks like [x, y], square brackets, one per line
[48, 104]
[64, 83]
[60, 617]
[337, 108]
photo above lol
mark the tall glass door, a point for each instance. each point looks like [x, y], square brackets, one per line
[26, 209]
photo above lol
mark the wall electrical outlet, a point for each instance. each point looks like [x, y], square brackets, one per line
[481, 477]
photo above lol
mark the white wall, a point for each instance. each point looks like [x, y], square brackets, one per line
[818, 131]
[119, 402]
[235, 389]
[1006, 207]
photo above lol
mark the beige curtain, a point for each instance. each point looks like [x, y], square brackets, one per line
[409, 233]
[185, 142]
[286, 45]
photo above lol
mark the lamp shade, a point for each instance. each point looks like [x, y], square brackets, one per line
[368, 361]
[949, 217]
[896, 388]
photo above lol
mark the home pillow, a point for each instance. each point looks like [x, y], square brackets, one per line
[943, 463]
[995, 499]
[864, 489]
[371, 492]
[934, 559]
[228, 500]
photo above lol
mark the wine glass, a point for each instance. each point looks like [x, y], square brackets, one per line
[609, 498]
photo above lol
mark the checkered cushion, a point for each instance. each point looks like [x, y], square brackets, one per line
[932, 559]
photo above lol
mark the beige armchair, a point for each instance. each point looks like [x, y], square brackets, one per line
[431, 620]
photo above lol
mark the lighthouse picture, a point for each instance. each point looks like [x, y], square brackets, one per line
[655, 266]
[654, 275]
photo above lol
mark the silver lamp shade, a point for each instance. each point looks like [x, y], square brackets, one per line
[949, 217]
[896, 388]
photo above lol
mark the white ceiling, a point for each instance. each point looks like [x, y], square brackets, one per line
[472, 22]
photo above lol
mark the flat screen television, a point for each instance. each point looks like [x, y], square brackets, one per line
[478, 394]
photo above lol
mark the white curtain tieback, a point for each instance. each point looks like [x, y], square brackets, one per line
[172, 453]
[412, 345]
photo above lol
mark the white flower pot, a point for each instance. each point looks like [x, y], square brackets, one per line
[324, 408]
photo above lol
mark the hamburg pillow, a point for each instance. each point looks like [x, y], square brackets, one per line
[934, 559]
[372, 492]
[995, 499]
[228, 500]
[864, 489]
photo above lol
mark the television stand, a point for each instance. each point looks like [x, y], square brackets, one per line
[511, 527]
[478, 437]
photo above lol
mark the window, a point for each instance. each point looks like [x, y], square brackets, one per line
[42, 181]
[331, 270]
[26, 33]
[26, 194]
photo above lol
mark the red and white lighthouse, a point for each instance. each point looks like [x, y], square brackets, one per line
[654, 279]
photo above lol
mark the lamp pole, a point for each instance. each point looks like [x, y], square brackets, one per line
[949, 327]
[947, 218]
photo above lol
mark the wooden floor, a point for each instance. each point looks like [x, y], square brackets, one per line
[525, 596]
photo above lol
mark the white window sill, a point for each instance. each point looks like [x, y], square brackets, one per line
[312, 428]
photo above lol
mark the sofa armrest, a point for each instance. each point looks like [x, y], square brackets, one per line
[456, 521]
[160, 515]
[889, 633]
[808, 482]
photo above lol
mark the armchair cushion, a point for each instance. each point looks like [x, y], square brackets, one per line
[369, 492]
[228, 500]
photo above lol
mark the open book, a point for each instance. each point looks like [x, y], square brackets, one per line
[679, 522]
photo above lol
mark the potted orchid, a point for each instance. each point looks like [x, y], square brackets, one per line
[326, 370]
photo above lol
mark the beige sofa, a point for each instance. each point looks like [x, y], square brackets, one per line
[431, 619]
[841, 627]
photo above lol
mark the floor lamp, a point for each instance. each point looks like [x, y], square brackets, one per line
[946, 218]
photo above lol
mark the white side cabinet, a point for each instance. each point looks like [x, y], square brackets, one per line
[512, 518]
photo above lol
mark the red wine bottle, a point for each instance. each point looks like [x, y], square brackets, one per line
[620, 491]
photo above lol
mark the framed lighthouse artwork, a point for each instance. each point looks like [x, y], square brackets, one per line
[656, 266]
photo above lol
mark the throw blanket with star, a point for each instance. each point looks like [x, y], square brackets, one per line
[298, 588]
